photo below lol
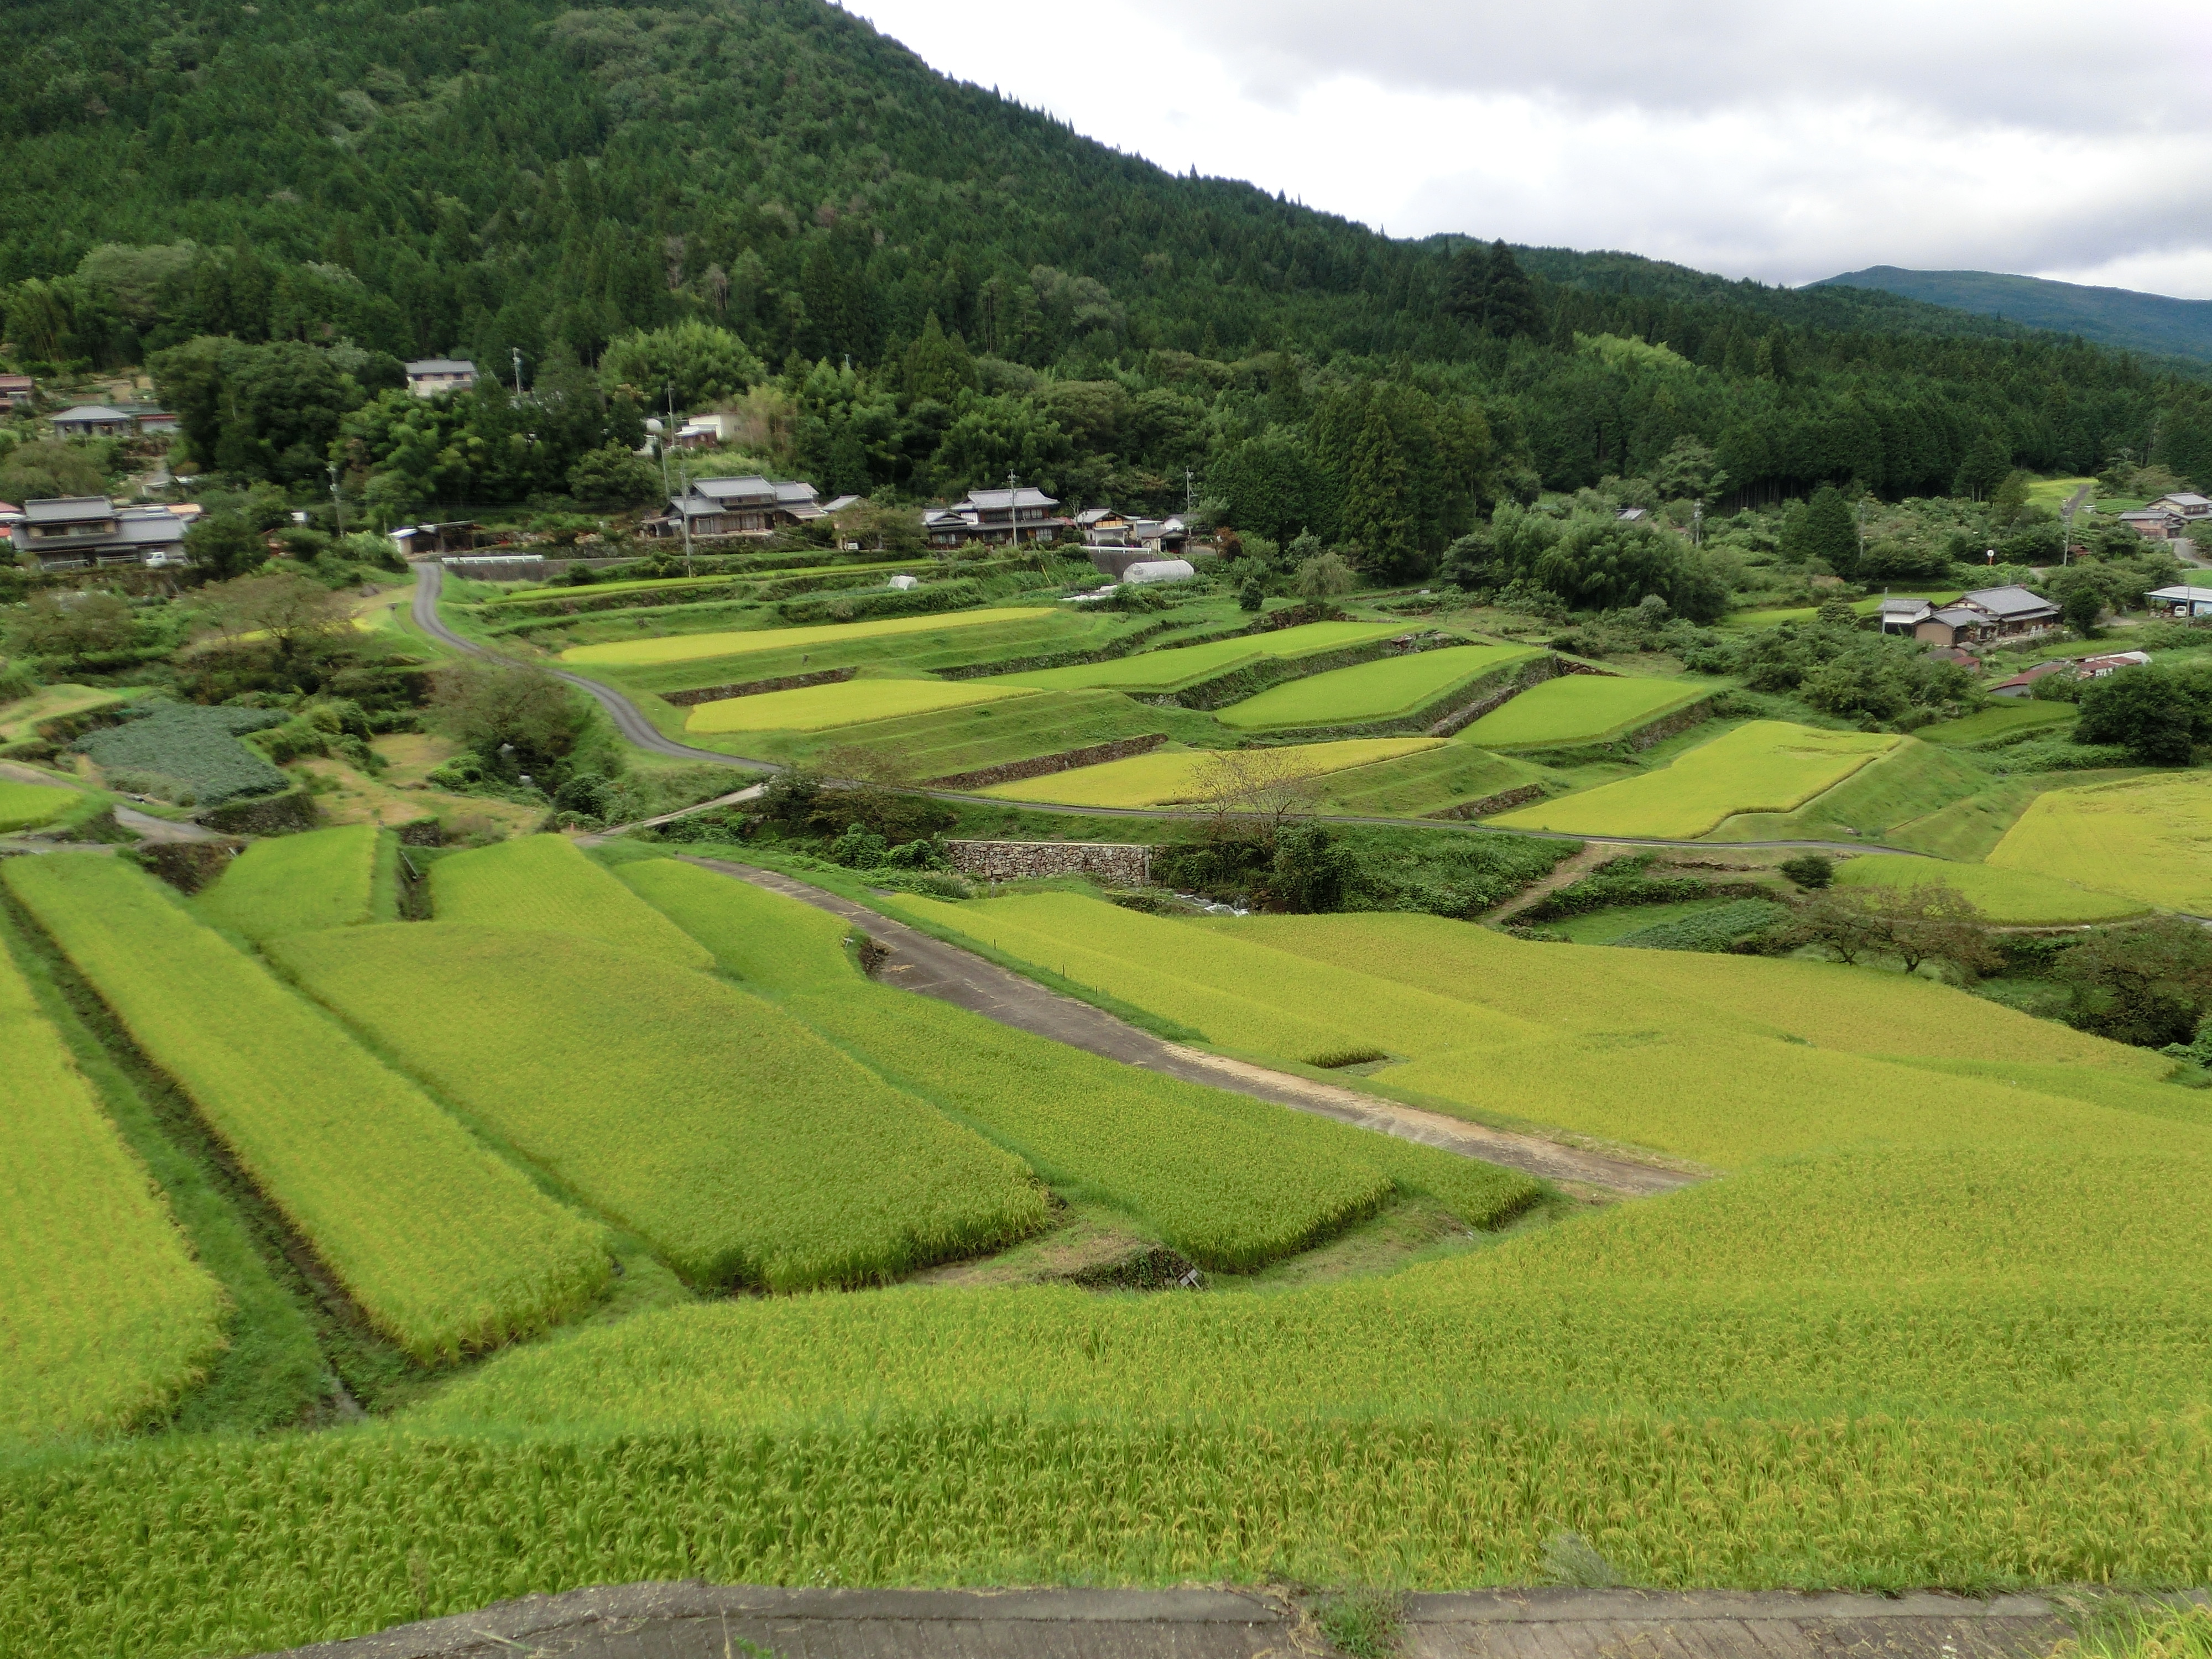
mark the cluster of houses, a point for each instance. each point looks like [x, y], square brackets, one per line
[1985, 615]
[2169, 517]
[77, 532]
[1009, 517]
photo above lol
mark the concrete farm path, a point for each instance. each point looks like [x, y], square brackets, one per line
[629, 719]
[933, 968]
[696, 1620]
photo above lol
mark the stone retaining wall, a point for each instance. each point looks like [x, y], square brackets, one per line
[1535, 674]
[1504, 801]
[1126, 864]
[1043, 765]
[1672, 724]
[753, 688]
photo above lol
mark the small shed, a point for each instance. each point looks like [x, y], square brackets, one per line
[91, 421]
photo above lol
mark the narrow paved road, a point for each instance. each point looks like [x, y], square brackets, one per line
[631, 722]
[694, 1620]
[934, 969]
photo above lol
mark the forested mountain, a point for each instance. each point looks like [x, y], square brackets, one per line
[2111, 316]
[620, 192]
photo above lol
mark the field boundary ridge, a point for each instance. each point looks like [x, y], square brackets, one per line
[629, 1621]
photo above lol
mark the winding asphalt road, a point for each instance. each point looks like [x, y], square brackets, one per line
[631, 722]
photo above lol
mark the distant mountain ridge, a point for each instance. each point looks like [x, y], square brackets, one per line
[2110, 316]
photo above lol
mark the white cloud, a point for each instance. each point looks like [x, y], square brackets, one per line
[1781, 142]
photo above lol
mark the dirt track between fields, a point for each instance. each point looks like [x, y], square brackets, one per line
[933, 968]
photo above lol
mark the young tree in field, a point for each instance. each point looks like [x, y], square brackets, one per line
[1845, 920]
[1323, 577]
[1264, 788]
[285, 612]
[492, 706]
[1933, 921]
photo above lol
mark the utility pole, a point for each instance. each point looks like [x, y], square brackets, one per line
[337, 502]
[517, 350]
[1013, 512]
[1189, 492]
[2066, 534]
[684, 473]
[1698, 522]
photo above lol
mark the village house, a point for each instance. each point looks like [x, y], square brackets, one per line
[995, 515]
[93, 421]
[16, 391]
[71, 533]
[428, 376]
[738, 507]
[1985, 614]
[1116, 540]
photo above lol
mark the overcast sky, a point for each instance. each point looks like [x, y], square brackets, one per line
[1777, 139]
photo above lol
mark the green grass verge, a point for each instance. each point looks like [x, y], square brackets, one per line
[1417, 785]
[2001, 721]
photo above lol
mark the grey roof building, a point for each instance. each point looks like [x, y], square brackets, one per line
[739, 506]
[428, 376]
[94, 421]
[73, 531]
[995, 515]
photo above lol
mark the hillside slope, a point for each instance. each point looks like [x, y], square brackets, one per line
[2111, 316]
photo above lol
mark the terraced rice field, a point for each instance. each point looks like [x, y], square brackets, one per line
[687, 648]
[1243, 998]
[105, 1317]
[2148, 839]
[542, 884]
[1425, 784]
[1767, 765]
[1171, 670]
[850, 702]
[19, 719]
[445, 1247]
[2012, 897]
[1883, 803]
[1166, 777]
[28, 805]
[742, 1147]
[1941, 1323]
[1231, 1181]
[1386, 690]
[1580, 708]
[301, 884]
[2002, 720]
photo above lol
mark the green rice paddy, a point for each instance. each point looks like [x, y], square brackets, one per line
[689, 648]
[1151, 671]
[1767, 765]
[1580, 708]
[1391, 688]
[849, 702]
[1168, 776]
